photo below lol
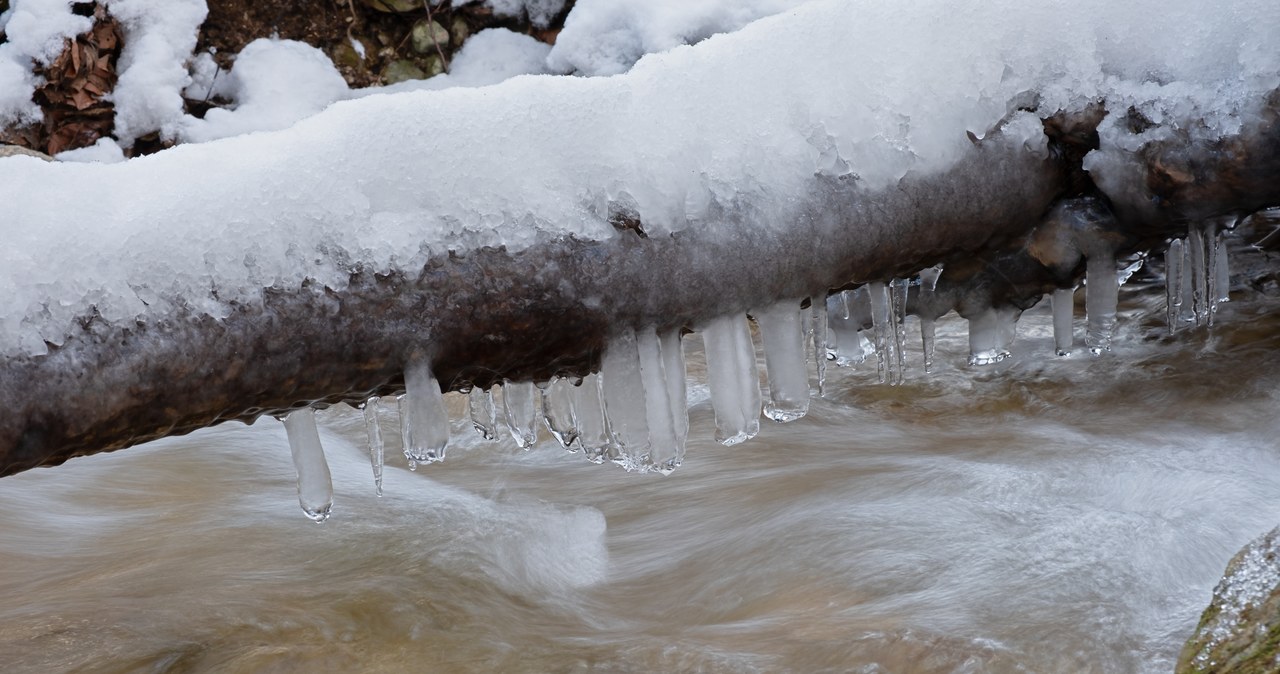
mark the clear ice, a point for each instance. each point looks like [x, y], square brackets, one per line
[593, 430]
[1198, 260]
[1101, 295]
[677, 395]
[1173, 284]
[520, 402]
[315, 486]
[376, 453]
[484, 416]
[732, 376]
[664, 445]
[991, 333]
[846, 343]
[928, 328]
[888, 302]
[784, 359]
[424, 422]
[557, 411]
[1063, 303]
[1221, 272]
[819, 308]
[624, 400]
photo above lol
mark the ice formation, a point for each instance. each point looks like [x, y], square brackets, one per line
[1064, 307]
[558, 413]
[732, 376]
[424, 422]
[784, 358]
[484, 416]
[315, 486]
[520, 402]
[1197, 276]
[376, 448]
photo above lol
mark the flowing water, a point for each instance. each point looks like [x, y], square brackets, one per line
[1038, 515]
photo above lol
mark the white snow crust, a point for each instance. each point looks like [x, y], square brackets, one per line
[382, 182]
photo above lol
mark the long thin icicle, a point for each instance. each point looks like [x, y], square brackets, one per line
[819, 323]
[658, 406]
[881, 318]
[520, 402]
[1173, 284]
[315, 486]
[677, 396]
[593, 430]
[376, 449]
[424, 422]
[734, 380]
[928, 328]
[1063, 303]
[784, 358]
[484, 416]
[898, 316]
[1101, 296]
[1222, 271]
[1198, 261]
[558, 413]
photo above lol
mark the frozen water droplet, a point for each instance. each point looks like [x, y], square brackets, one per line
[557, 412]
[424, 422]
[376, 455]
[1063, 304]
[484, 416]
[733, 378]
[1101, 295]
[593, 431]
[784, 358]
[624, 400]
[315, 486]
[819, 308]
[519, 401]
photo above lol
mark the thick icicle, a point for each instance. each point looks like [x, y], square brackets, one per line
[593, 431]
[315, 486]
[557, 411]
[819, 322]
[1222, 272]
[624, 400]
[520, 402]
[677, 396]
[376, 454]
[734, 380]
[988, 336]
[1101, 295]
[657, 403]
[484, 416]
[1173, 284]
[846, 345]
[424, 422]
[784, 359]
[1198, 260]
[1063, 303]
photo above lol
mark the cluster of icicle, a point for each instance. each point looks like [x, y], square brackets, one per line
[633, 412]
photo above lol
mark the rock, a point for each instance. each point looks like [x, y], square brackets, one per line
[429, 36]
[394, 6]
[433, 65]
[15, 150]
[460, 31]
[399, 71]
[1240, 631]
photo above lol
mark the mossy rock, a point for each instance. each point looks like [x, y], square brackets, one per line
[1240, 631]
[399, 71]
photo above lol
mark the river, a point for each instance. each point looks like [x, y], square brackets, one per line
[1039, 515]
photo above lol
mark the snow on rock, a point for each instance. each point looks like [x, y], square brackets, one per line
[540, 12]
[739, 123]
[105, 151]
[35, 31]
[490, 56]
[605, 37]
[159, 36]
[274, 83]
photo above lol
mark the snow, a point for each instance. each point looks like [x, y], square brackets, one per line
[540, 12]
[105, 151]
[745, 118]
[159, 36]
[490, 56]
[35, 31]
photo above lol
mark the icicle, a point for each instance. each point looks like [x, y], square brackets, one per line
[1173, 284]
[818, 306]
[984, 339]
[898, 312]
[784, 358]
[928, 338]
[557, 412]
[520, 402]
[1199, 279]
[315, 486]
[1222, 271]
[371, 426]
[624, 400]
[484, 416]
[424, 422]
[593, 431]
[887, 336]
[1063, 303]
[677, 396]
[657, 403]
[846, 300]
[734, 380]
[1101, 295]
[1186, 291]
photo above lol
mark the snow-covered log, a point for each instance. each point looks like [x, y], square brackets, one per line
[508, 232]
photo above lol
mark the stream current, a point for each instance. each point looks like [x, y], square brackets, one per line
[1042, 514]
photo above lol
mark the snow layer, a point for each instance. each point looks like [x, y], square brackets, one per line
[540, 12]
[159, 36]
[36, 31]
[744, 119]
[605, 37]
